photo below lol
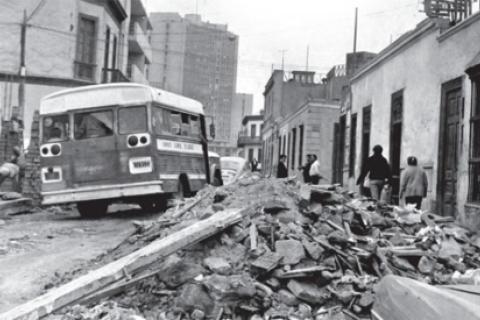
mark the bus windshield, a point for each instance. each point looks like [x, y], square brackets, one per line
[132, 120]
[93, 124]
[55, 128]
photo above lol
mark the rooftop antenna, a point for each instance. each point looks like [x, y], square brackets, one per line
[283, 58]
[308, 55]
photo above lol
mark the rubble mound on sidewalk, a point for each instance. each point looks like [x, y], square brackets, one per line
[305, 252]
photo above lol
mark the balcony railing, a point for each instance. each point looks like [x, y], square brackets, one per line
[246, 139]
[113, 75]
[85, 71]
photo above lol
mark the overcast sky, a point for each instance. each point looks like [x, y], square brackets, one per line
[266, 27]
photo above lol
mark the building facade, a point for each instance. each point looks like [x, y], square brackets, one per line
[68, 43]
[298, 95]
[139, 47]
[419, 97]
[199, 60]
[249, 139]
[242, 106]
[309, 131]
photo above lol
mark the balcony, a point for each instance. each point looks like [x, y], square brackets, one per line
[113, 75]
[245, 139]
[138, 42]
[136, 75]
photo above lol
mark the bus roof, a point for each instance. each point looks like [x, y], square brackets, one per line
[114, 94]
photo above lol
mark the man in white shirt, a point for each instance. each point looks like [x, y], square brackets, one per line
[315, 174]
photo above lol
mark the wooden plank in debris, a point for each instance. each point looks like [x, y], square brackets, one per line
[253, 237]
[179, 213]
[9, 207]
[122, 268]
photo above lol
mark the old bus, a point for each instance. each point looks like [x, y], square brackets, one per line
[120, 142]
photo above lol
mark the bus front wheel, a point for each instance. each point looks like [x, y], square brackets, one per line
[92, 209]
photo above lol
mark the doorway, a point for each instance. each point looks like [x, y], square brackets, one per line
[366, 127]
[396, 117]
[450, 118]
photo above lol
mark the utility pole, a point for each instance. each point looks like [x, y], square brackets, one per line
[354, 60]
[308, 55]
[22, 71]
[283, 58]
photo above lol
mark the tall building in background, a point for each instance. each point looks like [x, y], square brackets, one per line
[197, 59]
[242, 106]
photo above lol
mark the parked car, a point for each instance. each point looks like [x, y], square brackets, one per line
[232, 168]
[215, 169]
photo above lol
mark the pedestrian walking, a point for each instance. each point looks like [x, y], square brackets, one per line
[306, 169]
[254, 165]
[282, 170]
[314, 172]
[379, 172]
[413, 183]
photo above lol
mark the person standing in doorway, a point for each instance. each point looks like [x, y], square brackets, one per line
[413, 183]
[306, 169]
[379, 172]
[282, 170]
[254, 165]
[315, 174]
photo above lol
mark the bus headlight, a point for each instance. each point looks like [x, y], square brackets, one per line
[138, 140]
[51, 150]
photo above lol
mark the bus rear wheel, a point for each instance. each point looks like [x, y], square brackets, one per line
[92, 209]
[152, 205]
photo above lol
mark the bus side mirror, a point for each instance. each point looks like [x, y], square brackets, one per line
[212, 131]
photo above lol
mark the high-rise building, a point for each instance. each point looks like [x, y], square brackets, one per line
[197, 59]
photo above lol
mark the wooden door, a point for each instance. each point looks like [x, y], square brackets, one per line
[449, 147]
[396, 143]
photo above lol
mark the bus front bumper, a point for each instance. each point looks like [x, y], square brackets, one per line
[101, 192]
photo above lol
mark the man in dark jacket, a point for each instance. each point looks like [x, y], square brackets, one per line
[282, 170]
[306, 169]
[379, 172]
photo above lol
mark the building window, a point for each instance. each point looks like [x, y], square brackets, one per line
[253, 130]
[106, 54]
[294, 142]
[300, 145]
[86, 47]
[474, 194]
[353, 145]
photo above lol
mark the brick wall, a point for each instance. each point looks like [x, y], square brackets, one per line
[32, 181]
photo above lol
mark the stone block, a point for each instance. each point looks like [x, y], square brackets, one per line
[217, 265]
[291, 251]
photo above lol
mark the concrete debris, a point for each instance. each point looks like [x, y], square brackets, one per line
[302, 252]
[217, 265]
[291, 251]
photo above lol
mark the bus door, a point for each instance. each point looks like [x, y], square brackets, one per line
[95, 154]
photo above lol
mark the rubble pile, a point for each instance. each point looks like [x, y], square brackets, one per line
[305, 252]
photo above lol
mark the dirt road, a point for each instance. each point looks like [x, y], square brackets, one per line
[34, 247]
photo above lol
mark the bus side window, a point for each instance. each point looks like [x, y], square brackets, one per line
[160, 121]
[185, 125]
[175, 123]
[195, 122]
